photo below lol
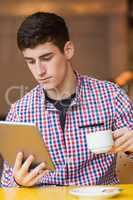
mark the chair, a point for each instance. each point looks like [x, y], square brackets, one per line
[124, 169]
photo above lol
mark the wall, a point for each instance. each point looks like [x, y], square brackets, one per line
[101, 49]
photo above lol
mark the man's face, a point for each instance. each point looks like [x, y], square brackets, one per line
[48, 64]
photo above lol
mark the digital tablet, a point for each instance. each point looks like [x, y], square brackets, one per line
[24, 137]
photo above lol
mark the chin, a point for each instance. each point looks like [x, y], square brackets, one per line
[47, 87]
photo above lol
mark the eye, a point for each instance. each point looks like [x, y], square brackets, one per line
[31, 62]
[46, 58]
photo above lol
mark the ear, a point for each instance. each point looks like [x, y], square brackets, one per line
[69, 50]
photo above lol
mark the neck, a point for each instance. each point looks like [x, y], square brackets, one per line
[66, 89]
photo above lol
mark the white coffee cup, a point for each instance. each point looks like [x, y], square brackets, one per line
[100, 141]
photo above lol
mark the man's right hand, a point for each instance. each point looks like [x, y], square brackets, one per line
[21, 172]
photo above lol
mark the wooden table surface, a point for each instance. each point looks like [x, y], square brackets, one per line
[55, 193]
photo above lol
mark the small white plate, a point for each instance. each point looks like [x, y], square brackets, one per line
[95, 192]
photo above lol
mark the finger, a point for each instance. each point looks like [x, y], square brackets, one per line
[124, 139]
[120, 141]
[40, 168]
[119, 132]
[25, 167]
[125, 147]
[38, 177]
[18, 162]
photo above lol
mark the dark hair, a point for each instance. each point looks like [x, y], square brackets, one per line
[42, 27]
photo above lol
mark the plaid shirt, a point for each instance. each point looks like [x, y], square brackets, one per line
[98, 105]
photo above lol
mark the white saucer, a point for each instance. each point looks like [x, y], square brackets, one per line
[97, 192]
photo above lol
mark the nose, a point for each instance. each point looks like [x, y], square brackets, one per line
[41, 69]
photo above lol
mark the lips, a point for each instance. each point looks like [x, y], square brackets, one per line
[44, 79]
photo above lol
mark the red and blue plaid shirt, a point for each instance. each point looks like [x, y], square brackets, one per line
[98, 105]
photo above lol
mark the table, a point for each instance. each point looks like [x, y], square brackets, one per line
[54, 193]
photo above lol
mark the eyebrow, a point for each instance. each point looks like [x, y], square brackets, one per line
[42, 56]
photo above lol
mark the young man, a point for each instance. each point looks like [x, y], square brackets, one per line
[66, 107]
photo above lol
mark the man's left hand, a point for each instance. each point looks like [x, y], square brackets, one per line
[123, 141]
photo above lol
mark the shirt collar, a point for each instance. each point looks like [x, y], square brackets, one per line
[78, 98]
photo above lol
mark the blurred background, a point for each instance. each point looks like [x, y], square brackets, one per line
[102, 31]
